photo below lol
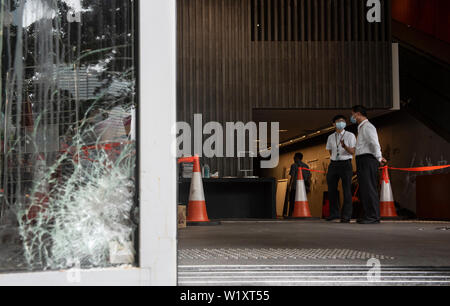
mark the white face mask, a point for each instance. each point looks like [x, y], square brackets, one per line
[341, 125]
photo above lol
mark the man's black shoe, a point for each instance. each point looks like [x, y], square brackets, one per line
[369, 222]
[345, 221]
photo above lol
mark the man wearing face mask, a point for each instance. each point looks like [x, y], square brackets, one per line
[341, 145]
[368, 161]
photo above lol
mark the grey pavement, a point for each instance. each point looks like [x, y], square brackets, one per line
[400, 244]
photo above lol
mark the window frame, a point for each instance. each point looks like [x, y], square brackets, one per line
[156, 183]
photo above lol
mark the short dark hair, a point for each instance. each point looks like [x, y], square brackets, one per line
[339, 117]
[298, 156]
[360, 109]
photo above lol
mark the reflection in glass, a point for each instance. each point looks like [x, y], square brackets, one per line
[67, 118]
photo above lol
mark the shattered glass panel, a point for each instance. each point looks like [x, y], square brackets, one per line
[67, 125]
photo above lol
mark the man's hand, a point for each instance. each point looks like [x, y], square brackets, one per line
[349, 150]
[383, 161]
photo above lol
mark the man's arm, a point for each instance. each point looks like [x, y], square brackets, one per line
[351, 146]
[292, 179]
[328, 148]
[306, 174]
[374, 141]
[350, 150]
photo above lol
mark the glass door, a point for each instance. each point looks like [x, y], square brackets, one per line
[68, 134]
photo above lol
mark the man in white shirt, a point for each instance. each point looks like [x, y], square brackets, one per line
[368, 161]
[341, 145]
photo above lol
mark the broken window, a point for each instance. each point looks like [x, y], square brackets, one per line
[67, 125]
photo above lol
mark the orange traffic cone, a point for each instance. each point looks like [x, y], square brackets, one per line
[387, 204]
[196, 211]
[301, 208]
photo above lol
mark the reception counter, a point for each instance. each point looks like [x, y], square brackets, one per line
[235, 198]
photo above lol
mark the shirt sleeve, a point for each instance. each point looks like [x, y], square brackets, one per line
[351, 141]
[329, 148]
[292, 171]
[372, 136]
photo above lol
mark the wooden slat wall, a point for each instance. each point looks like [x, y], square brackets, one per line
[224, 75]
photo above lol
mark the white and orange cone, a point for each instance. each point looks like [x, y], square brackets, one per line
[387, 204]
[196, 211]
[301, 208]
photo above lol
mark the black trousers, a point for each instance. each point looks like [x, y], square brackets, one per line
[340, 171]
[368, 186]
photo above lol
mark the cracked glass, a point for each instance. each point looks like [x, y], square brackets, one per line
[67, 126]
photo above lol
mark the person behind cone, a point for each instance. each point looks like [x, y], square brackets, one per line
[341, 145]
[298, 163]
[368, 161]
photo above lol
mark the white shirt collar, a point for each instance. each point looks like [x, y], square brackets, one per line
[343, 131]
[362, 123]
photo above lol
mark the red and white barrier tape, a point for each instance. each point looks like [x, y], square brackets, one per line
[416, 169]
[386, 168]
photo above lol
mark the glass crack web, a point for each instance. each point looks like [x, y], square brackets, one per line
[76, 222]
[68, 155]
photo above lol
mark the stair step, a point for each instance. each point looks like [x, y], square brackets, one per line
[309, 275]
